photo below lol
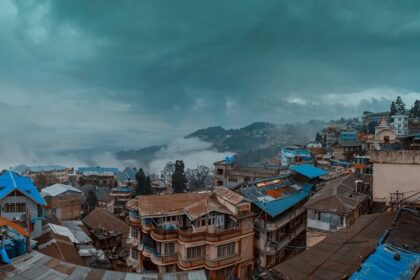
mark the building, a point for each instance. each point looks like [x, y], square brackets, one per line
[396, 177]
[103, 195]
[337, 205]
[52, 173]
[38, 266]
[100, 176]
[281, 217]
[63, 201]
[348, 136]
[413, 126]
[188, 231]
[400, 124]
[20, 200]
[228, 173]
[331, 134]
[370, 120]
[159, 187]
[345, 150]
[384, 136]
[374, 247]
[291, 155]
[124, 190]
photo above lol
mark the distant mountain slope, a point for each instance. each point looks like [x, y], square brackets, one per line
[252, 143]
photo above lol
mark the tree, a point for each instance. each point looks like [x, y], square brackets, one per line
[141, 182]
[318, 137]
[179, 180]
[400, 105]
[91, 200]
[198, 178]
[167, 172]
[415, 110]
[148, 186]
[393, 109]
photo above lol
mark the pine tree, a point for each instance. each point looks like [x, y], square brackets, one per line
[393, 109]
[318, 137]
[179, 181]
[91, 200]
[148, 186]
[415, 110]
[400, 105]
[141, 182]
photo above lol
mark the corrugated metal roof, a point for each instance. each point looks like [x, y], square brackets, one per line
[97, 170]
[40, 267]
[65, 231]
[308, 170]
[58, 189]
[10, 181]
[21, 169]
[383, 264]
[275, 199]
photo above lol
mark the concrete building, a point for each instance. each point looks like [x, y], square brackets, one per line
[331, 134]
[384, 135]
[20, 200]
[281, 217]
[100, 176]
[337, 205]
[63, 201]
[57, 173]
[103, 194]
[345, 150]
[370, 118]
[396, 176]
[400, 124]
[228, 173]
[291, 155]
[126, 185]
[189, 231]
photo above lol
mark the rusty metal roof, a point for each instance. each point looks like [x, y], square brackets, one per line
[37, 266]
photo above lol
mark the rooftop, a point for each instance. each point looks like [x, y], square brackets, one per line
[10, 181]
[275, 198]
[38, 266]
[97, 170]
[58, 189]
[21, 169]
[308, 170]
[337, 196]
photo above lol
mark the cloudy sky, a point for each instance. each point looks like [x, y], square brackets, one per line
[79, 76]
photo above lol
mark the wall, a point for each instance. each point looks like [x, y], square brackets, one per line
[387, 178]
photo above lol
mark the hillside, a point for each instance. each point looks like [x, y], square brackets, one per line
[252, 143]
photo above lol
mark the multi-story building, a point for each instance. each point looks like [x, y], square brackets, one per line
[345, 150]
[337, 205]
[291, 155]
[331, 134]
[57, 173]
[370, 118]
[228, 173]
[63, 201]
[21, 202]
[101, 176]
[281, 217]
[400, 124]
[189, 231]
[124, 190]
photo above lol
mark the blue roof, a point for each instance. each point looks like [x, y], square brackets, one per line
[11, 181]
[382, 265]
[308, 170]
[290, 196]
[21, 169]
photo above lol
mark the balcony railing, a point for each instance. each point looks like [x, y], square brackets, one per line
[162, 234]
[158, 259]
[186, 263]
[222, 261]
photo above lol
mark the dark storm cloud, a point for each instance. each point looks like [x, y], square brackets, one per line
[94, 71]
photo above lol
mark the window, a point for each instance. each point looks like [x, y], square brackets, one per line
[134, 254]
[14, 207]
[195, 252]
[226, 250]
[219, 171]
[234, 180]
[219, 183]
[169, 249]
[134, 232]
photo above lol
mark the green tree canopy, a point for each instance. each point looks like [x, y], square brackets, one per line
[179, 181]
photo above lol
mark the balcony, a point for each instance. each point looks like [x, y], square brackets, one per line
[218, 262]
[188, 264]
[222, 234]
[280, 222]
[190, 236]
[131, 241]
[158, 259]
[163, 235]
[133, 263]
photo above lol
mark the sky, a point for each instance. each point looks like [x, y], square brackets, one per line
[83, 77]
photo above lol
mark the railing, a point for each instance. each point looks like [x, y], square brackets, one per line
[217, 235]
[189, 236]
[222, 261]
[162, 234]
[163, 260]
[131, 241]
[190, 263]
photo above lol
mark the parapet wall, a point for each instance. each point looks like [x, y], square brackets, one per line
[397, 157]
